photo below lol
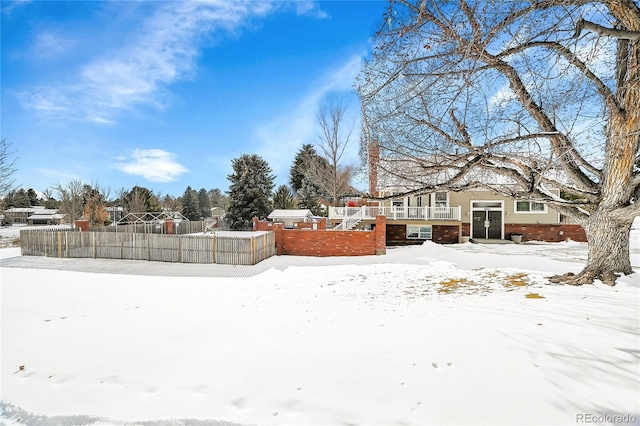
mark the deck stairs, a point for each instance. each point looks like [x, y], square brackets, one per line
[351, 221]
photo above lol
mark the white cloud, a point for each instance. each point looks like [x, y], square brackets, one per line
[162, 50]
[155, 165]
[50, 45]
[310, 8]
[14, 5]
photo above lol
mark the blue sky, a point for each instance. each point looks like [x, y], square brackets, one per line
[165, 94]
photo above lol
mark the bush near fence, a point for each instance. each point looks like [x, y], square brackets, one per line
[148, 246]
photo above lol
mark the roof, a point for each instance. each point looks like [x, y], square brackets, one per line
[289, 214]
[36, 209]
[41, 216]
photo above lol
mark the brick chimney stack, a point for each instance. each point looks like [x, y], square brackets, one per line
[374, 159]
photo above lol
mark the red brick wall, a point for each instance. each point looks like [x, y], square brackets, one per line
[551, 233]
[447, 234]
[323, 243]
[305, 242]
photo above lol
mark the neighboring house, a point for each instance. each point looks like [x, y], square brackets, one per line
[289, 217]
[115, 213]
[449, 217]
[36, 215]
[217, 213]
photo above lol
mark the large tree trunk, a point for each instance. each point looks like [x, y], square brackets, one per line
[608, 238]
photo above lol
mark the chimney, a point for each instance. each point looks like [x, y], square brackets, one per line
[374, 159]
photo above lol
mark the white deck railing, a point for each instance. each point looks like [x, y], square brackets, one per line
[397, 212]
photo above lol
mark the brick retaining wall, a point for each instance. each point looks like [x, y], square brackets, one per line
[323, 243]
[550, 233]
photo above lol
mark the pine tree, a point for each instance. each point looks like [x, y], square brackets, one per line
[250, 191]
[16, 198]
[308, 164]
[309, 197]
[190, 204]
[205, 204]
[33, 197]
[284, 198]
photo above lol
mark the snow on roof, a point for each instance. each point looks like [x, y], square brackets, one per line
[25, 209]
[280, 213]
[40, 215]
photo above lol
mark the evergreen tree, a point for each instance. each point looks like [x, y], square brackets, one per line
[33, 197]
[284, 198]
[309, 197]
[218, 199]
[141, 200]
[16, 198]
[190, 204]
[250, 191]
[308, 164]
[205, 204]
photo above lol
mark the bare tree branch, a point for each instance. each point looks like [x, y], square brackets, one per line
[604, 31]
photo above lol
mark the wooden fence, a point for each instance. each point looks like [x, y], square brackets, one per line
[179, 228]
[209, 248]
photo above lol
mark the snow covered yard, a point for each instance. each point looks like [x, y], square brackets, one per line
[462, 334]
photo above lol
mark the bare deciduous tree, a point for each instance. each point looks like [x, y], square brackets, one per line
[528, 99]
[70, 195]
[335, 179]
[7, 167]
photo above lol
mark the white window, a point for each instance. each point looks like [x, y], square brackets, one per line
[440, 199]
[530, 207]
[418, 232]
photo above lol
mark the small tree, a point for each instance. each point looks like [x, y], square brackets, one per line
[93, 198]
[309, 197]
[283, 198]
[250, 191]
[217, 198]
[71, 199]
[334, 179]
[7, 167]
[49, 201]
[190, 205]
[33, 197]
[140, 200]
[205, 204]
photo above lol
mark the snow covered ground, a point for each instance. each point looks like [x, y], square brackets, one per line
[432, 334]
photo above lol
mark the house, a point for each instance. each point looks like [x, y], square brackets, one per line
[450, 217]
[291, 217]
[35, 215]
[115, 213]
